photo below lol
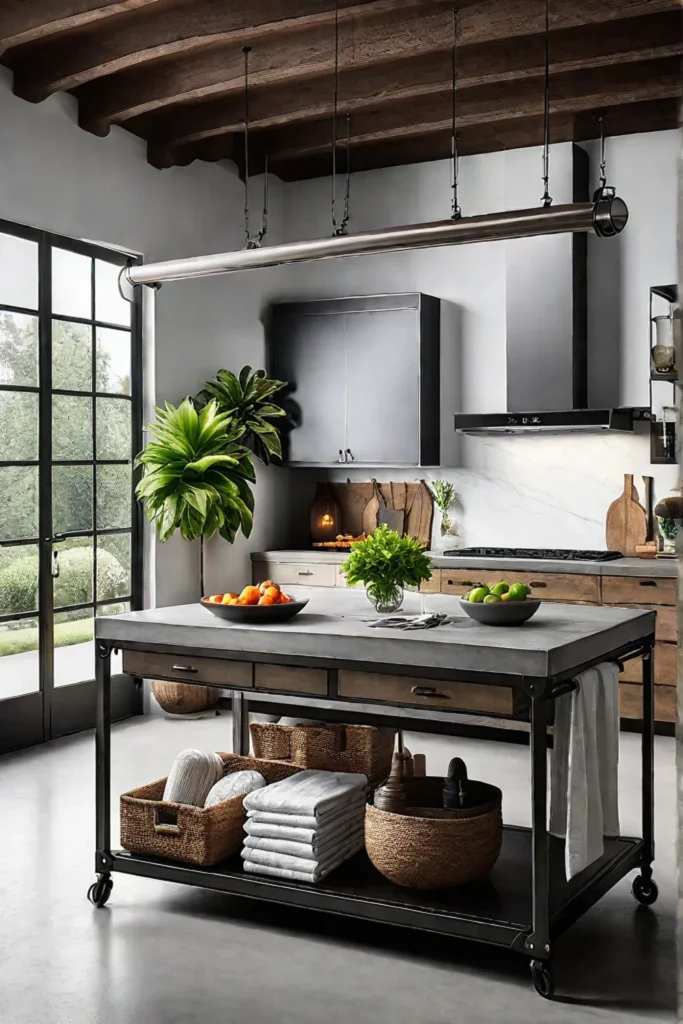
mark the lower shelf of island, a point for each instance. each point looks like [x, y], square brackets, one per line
[496, 910]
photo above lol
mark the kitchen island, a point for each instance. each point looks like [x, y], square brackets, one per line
[330, 651]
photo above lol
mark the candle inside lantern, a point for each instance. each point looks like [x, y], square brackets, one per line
[327, 520]
[325, 515]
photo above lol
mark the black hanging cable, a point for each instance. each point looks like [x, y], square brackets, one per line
[603, 176]
[456, 212]
[547, 198]
[347, 194]
[249, 242]
[264, 218]
[339, 229]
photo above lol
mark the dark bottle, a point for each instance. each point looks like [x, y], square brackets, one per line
[455, 795]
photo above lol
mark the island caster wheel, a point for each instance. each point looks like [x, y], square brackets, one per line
[542, 979]
[644, 891]
[100, 891]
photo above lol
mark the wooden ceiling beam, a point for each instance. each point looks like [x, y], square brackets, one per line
[572, 93]
[186, 27]
[28, 21]
[633, 39]
[365, 41]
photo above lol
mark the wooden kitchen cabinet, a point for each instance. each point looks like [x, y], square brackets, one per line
[363, 377]
[561, 586]
[639, 590]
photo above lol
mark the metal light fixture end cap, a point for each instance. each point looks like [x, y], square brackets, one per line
[610, 215]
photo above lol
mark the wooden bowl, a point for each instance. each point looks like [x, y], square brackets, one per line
[255, 613]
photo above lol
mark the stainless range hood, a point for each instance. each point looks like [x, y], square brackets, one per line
[546, 282]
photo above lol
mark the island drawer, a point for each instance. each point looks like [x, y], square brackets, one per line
[305, 574]
[184, 669]
[665, 667]
[291, 680]
[430, 693]
[640, 590]
[559, 586]
[631, 702]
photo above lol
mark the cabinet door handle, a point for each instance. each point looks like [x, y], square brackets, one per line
[342, 456]
[350, 456]
[306, 573]
[184, 668]
[428, 691]
[538, 584]
[648, 583]
[462, 583]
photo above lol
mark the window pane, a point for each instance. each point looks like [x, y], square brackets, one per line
[18, 272]
[113, 361]
[71, 284]
[18, 658]
[109, 306]
[18, 349]
[18, 502]
[71, 427]
[18, 426]
[114, 609]
[72, 509]
[71, 356]
[113, 566]
[19, 579]
[114, 497]
[74, 583]
[113, 428]
[74, 647]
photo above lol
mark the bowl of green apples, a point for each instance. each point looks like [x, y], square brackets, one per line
[504, 604]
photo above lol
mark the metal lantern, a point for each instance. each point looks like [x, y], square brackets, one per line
[326, 520]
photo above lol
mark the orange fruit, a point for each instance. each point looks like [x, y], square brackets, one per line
[266, 585]
[234, 600]
[266, 599]
[273, 592]
[250, 595]
[215, 598]
[284, 599]
[227, 598]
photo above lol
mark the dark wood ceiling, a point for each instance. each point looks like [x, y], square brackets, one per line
[171, 71]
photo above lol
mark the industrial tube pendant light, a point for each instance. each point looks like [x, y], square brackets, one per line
[606, 216]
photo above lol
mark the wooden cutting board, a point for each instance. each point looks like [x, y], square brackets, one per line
[414, 499]
[626, 525]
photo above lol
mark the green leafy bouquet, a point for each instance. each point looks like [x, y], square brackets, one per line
[385, 563]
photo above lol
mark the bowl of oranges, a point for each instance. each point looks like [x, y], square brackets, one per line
[263, 602]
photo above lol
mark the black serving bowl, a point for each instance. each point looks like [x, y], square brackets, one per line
[503, 613]
[255, 613]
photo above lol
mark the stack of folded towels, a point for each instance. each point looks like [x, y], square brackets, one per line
[305, 826]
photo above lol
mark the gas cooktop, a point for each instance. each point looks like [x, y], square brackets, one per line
[561, 554]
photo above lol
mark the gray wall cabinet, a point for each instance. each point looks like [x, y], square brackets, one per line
[363, 376]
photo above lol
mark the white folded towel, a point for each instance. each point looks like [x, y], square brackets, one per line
[280, 859]
[309, 792]
[341, 825]
[296, 867]
[309, 851]
[308, 820]
[584, 802]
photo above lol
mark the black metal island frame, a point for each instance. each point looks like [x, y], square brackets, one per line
[526, 902]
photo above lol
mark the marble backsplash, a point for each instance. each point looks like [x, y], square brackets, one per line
[541, 491]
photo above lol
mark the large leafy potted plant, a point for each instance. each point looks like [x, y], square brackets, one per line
[196, 479]
[386, 563]
[248, 400]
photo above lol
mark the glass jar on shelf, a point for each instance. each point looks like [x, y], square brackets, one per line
[663, 353]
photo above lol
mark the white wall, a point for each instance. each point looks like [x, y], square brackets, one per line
[524, 490]
[55, 176]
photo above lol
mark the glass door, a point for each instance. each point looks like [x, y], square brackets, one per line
[70, 424]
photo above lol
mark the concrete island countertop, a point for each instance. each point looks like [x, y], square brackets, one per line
[617, 567]
[335, 626]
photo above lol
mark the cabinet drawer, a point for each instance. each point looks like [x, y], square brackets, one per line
[340, 579]
[558, 586]
[306, 574]
[500, 700]
[183, 669]
[631, 702]
[665, 667]
[292, 680]
[665, 620]
[643, 590]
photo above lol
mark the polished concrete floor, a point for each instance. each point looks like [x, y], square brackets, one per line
[164, 954]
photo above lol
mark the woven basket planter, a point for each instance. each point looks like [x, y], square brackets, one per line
[436, 852]
[182, 699]
[193, 835]
[333, 748]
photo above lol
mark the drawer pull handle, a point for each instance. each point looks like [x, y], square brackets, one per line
[648, 583]
[184, 668]
[461, 583]
[428, 691]
[306, 573]
[538, 583]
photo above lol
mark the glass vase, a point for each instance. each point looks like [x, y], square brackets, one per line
[385, 598]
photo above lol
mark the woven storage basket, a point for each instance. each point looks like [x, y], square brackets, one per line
[436, 852]
[194, 835]
[334, 748]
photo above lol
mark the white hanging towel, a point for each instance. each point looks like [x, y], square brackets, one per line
[584, 798]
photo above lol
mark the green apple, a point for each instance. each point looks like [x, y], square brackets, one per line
[518, 592]
[478, 594]
[466, 596]
[492, 599]
[500, 588]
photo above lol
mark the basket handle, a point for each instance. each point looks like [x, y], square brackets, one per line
[166, 822]
[340, 738]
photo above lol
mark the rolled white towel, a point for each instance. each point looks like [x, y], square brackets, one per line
[298, 722]
[192, 775]
[235, 784]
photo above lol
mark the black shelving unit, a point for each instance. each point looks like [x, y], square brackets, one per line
[664, 434]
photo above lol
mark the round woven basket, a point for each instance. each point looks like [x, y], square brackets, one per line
[435, 852]
[181, 699]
